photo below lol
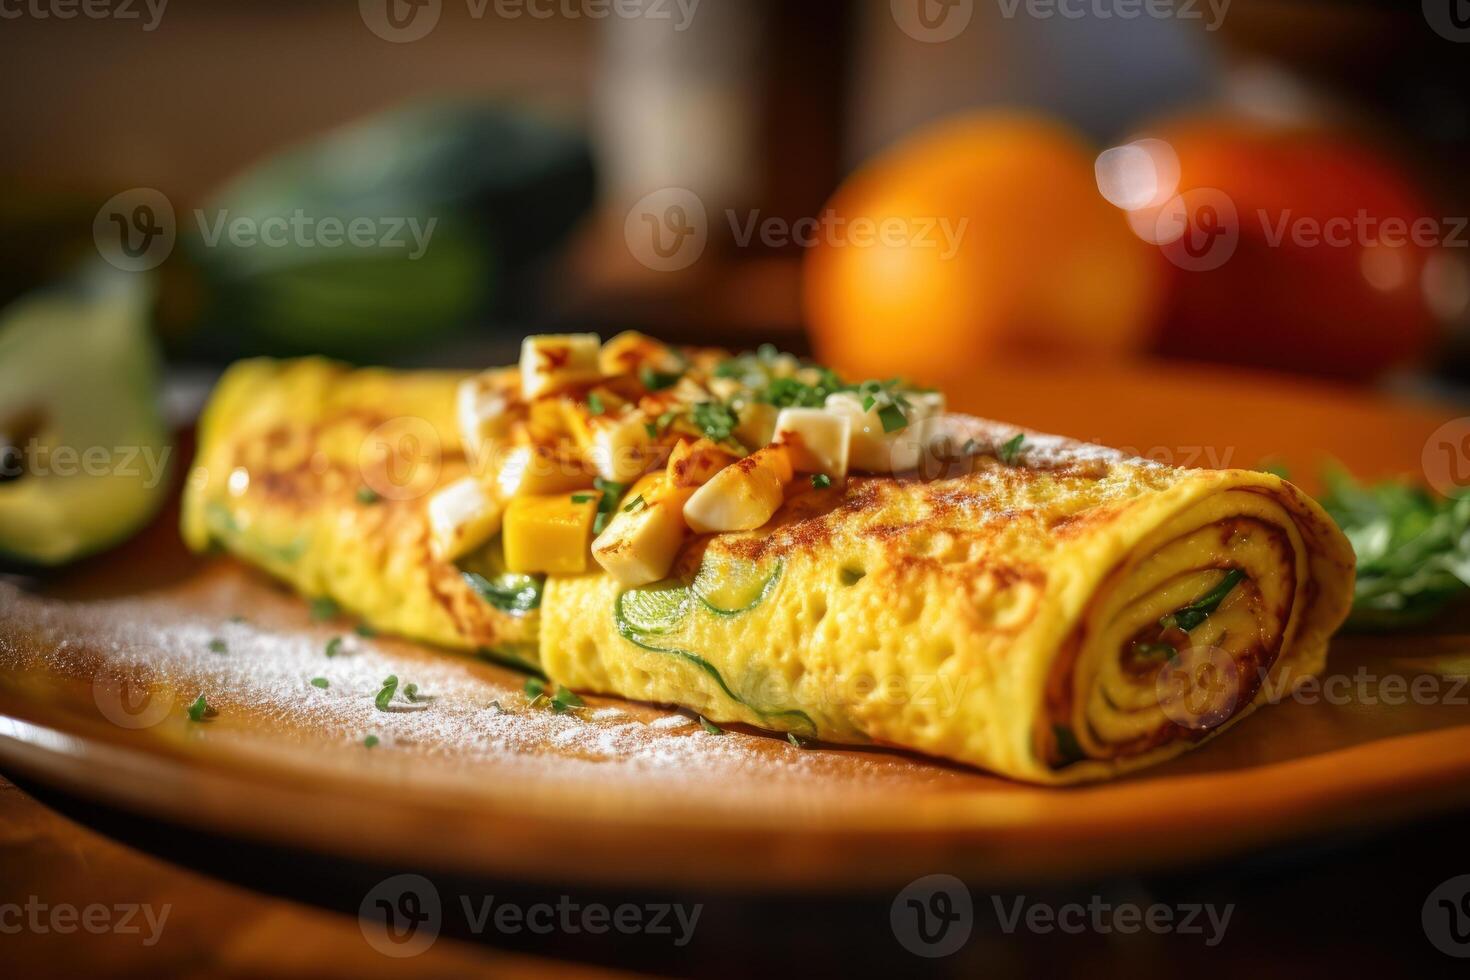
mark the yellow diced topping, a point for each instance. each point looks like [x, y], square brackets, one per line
[549, 533]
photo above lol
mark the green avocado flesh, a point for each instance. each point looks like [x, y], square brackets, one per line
[84, 455]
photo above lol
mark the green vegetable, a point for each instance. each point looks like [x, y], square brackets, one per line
[364, 630]
[790, 737]
[821, 481]
[565, 699]
[710, 727]
[612, 493]
[633, 505]
[411, 692]
[200, 710]
[334, 646]
[581, 498]
[1010, 451]
[594, 403]
[322, 608]
[370, 741]
[1199, 610]
[715, 419]
[320, 682]
[217, 645]
[84, 453]
[892, 418]
[535, 687]
[509, 592]
[730, 586]
[656, 380]
[1413, 549]
[385, 696]
[367, 495]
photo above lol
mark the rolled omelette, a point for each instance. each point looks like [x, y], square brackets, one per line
[1000, 609]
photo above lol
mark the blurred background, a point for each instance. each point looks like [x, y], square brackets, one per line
[545, 139]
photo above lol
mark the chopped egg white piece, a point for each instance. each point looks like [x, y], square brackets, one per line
[639, 546]
[743, 495]
[552, 361]
[619, 448]
[534, 470]
[817, 439]
[875, 451]
[462, 516]
[483, 412]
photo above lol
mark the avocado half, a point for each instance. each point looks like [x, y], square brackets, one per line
[84, 452]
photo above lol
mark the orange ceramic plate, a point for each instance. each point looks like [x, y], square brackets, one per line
[96, 675]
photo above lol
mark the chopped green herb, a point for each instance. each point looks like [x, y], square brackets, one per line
[364, 630]
[599, 523]
[322, 608]
[390, 686]
[565, 699]
[200, 710]
[1010, 450]
[1413, 549]
[715, 419]
[217, 645]
[651, 429]
[334, 646]
[666, 419]
[594, 403]
[821, 481]
[320, 682]
[371, 741]
[367, 495]
[892, 418]
[710, 727]
[411, 692]
[656, 380]
[851, 576]
[791, 737]
[634, 505]
[581, 498]
[535, 687]
[868, 402]
[1198, 611]
[510, 592]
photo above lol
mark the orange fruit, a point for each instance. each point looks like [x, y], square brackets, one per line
[997, 242]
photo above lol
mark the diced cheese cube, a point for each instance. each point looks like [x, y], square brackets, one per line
[875, 451]
[639, 546]
[817, 439]
[693, 463]
[757, 424]
[532, 470]
[462, 516]
[549, 533]
[743, 495]
[550, 362]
